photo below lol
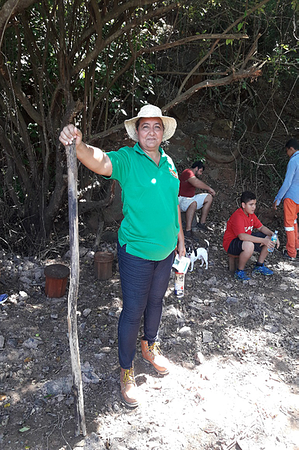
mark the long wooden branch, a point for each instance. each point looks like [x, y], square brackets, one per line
[253, 72]
[73, 290]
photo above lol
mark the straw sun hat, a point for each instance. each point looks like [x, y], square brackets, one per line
[151, 111]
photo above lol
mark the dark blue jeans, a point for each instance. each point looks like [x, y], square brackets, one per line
[143, 284]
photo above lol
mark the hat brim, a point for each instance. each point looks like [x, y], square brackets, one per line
[168, 122]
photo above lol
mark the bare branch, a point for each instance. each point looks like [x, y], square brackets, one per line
[196, 37]
[251, 51]
[9, 10]
[100, 45]
[250, 11]
[252, 72]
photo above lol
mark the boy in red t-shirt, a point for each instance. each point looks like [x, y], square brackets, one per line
[239, 240]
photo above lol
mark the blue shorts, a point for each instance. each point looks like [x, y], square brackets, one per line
[235, 247]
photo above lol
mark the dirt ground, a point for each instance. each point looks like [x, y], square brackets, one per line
[233, 349]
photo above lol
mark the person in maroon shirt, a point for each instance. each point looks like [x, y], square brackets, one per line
[189, 201]
[239, 239]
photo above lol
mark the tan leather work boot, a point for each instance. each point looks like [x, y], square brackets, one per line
[128, 387]
[152, 354]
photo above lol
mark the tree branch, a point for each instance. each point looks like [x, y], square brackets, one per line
[252, 72]
[196, 37]
[250, 11]
[101, 44]
[9, 10]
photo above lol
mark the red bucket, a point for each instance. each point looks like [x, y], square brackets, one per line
[56, 280]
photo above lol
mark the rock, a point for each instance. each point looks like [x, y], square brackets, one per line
[196, 306]
[217, 149]
[106, 349]
[12, 342]
[222, 128]
[271, 328]
[199, 357]
[207, 337]
[283, 287]
[243, 314]
[211, 281]
[90, 377]
[82, 252]
[2, 341]
[185, 331]
[196, 299]
[195, 128]
[214, 290]
[13, 299]
[38, 274]
[180, 111]
[25, 280]
[179, 145]
[32, 343]
[86, 312]
[4, 421]
[60, 386]
[171, 310]
[230, 300]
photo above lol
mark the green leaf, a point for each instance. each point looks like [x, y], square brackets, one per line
[22, 430]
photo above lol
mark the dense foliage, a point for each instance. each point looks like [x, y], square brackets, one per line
[95, 63]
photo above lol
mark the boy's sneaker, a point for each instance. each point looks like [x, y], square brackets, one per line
[287, 256]
[241, 275]
[263, 270]
[3, 298]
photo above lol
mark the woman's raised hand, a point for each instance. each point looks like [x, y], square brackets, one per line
[69, 133]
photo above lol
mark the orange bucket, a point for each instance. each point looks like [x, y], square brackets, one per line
[103, 265]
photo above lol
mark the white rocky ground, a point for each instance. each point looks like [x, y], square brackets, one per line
[233, 346]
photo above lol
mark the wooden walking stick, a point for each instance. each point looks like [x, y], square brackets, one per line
[74, 287]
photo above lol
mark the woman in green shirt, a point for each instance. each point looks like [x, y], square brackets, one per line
[149, 234]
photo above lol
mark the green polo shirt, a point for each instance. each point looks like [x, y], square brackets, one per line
[150, 202]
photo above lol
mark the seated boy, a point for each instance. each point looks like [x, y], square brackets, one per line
[239, 240]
